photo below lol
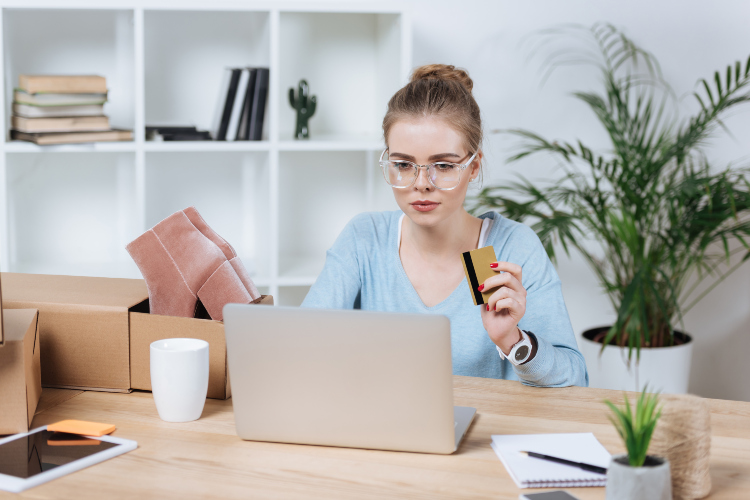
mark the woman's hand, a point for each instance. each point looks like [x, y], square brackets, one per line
[506, 306]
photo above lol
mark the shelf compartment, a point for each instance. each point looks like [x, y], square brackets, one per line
[72, 213]
[186, 54]
[230, 190]
[70, 42]
[352, 62]
[319, 192]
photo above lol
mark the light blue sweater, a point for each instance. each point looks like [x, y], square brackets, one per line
[363, 269]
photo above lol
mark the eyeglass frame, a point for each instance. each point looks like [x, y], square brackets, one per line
[418, 166]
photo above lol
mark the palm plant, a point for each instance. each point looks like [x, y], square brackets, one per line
[663, 218]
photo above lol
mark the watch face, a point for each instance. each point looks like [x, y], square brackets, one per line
[521, 353]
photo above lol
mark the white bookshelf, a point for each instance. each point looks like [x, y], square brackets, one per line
[71, 209]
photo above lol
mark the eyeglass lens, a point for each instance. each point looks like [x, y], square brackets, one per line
[442, 175]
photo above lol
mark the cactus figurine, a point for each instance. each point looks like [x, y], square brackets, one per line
[305, 106]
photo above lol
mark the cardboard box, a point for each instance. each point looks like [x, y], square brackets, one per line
[20, 371]
[95, 333]
[83, 326]
[147, 328]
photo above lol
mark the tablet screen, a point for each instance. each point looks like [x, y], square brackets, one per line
[41, 451]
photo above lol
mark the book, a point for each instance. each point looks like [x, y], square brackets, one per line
[29, 111]
[226, 112]
[258, 106]
[220, 99]
[176, 133]
[64, 124]
[63, 84]
[21, 97]
[170, 129]
[234, 117]
[243, 131]
[529, 472]
[73, 137]
[199, 136]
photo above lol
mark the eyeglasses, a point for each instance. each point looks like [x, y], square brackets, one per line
[442, 175]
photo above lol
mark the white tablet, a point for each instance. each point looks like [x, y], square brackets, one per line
[38, 456]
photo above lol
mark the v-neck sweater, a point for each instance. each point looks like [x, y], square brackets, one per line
[363, 270]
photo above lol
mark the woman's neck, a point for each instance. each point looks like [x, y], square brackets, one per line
[457, 234]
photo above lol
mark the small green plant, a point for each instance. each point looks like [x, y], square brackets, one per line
[636, 429]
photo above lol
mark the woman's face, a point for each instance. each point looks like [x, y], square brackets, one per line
[424, 140]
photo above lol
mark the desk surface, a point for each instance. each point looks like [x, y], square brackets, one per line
[206, 459]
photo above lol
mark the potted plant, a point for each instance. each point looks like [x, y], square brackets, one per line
[637, 475]
[651, 217]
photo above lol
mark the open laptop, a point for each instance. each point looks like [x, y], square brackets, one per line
[357, 379]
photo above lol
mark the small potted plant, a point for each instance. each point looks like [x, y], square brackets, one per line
[637, 475]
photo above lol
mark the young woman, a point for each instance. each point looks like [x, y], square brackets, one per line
[410, 260]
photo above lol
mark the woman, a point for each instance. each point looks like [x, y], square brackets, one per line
[410, 260]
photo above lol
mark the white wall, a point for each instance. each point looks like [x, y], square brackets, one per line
[690, 38]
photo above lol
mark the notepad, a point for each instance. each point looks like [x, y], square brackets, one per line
[529, 472]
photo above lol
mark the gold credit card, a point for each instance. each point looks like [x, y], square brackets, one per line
[477, 268]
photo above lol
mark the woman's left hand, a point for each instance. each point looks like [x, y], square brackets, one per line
[506, 306]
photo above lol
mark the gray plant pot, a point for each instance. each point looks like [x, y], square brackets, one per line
[653, 481]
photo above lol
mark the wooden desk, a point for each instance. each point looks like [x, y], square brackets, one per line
[206, 459]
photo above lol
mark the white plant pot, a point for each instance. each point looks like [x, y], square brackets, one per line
[664, 369]
[650, 482]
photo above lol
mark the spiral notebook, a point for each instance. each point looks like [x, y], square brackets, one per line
[529, 472]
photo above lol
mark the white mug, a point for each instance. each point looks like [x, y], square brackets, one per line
[179, 378]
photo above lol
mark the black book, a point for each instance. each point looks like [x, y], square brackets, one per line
[226, 114]
[258, 107]
[199, 136]
[243, 130]
[170, 129]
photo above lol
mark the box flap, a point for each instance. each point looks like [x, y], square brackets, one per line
[32, 365]
[18, 322]
[19, 371]
[118, 293]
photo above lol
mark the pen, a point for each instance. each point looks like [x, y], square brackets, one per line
[580, 465]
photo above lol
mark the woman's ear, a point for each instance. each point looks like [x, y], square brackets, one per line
[476, 166]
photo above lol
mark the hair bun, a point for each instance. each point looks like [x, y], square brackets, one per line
[443, 72]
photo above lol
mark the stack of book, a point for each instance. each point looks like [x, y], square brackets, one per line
[242, 105]
[50, 109]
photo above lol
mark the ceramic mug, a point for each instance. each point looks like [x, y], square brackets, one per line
[179, 378]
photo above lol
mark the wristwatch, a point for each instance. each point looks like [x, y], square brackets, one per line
[521, 350]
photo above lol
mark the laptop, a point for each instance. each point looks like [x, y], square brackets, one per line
[350, 378]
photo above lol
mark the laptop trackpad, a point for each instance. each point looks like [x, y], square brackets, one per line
[462, 417]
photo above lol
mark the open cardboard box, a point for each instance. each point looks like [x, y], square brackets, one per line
[20, 372]
[95, 333]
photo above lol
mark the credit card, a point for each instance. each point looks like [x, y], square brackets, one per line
[477, 268]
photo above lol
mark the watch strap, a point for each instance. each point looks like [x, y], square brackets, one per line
[521, 352]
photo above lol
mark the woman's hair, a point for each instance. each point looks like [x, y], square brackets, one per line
[443, 91]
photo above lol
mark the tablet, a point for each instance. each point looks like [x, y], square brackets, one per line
[38, 456]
